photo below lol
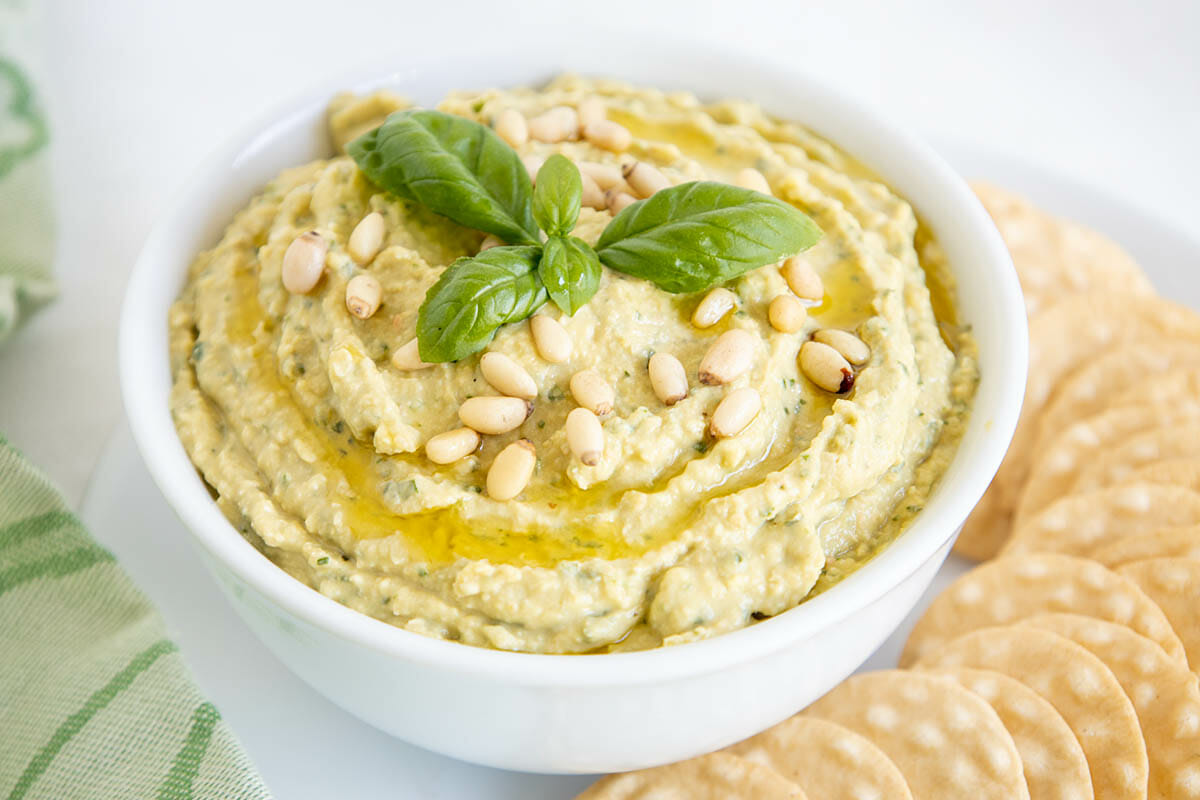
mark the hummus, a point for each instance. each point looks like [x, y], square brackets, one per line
[312, 442]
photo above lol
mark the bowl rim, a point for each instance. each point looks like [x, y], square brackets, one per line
[142, 349]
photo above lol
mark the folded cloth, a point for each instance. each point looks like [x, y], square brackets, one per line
[95, 701]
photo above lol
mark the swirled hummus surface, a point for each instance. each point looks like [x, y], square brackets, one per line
[312, 441]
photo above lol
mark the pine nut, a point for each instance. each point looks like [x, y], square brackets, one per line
[852, 348]
[550, 338]
[605, 175]
[750, 178]
[802, 279]
[510, 126]
[507, 376]
[593, 195]
[489, 242]
[730, 355]
[618, 200]
[786, 313]
[367, 237]
[408, 357]
[448, 447]
[532, 165]
[591, 109]
[303, 262]
[585, 436]
[715, 305]
[592, 392]
[643, 178]
[511, 470]
[494, 415]
[363, 294]
[825, 367]
[608, 135]
[556, 125]
[735, 411]
[668, 378]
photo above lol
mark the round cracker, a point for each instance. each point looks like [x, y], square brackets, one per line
[1165, 695]
[1117, 465]
[1061, 337]
[1010, 589]
[1174, 585]
[1183, 472]
[826, 760]
[1079, 686]
[1062, 458]
[716, 776]
[1053, 760]
[1181, 386]
[1080, 523]
[946, 741]
[1163, 543]
[1055, 257]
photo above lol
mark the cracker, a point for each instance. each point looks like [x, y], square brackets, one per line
[1079, 523]
[1061, 337]
[1183, 472]
[1079, 686]
[1181, 386]
[1054, 764]
[1060, 459]
[1174, 585]
[1118, 464]
[716, 776]
[1164, 694]
[1055, 257]
[826, 760]
[1163, 543]
[1009, 589]
[946, 741]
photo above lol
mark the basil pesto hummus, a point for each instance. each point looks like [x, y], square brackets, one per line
[658, 467]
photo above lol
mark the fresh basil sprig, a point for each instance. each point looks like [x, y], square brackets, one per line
[684, 238]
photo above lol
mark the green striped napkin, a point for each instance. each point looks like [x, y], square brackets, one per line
[95, 701]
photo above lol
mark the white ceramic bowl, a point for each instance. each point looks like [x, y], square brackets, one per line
[601, 712]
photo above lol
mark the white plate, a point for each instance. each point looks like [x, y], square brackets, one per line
[307, 747]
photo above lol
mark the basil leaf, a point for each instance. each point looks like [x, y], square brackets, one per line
[697, 235]
[474, 297]
[557, 196]
[570, 271]
[453, 166]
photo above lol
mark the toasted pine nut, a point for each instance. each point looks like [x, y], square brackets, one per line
[591, 109]
[608, 135]
[750, 178]
[550, 338]
[510, 126]
[585, 436]
[494, 414]
[555, 125]
[605, 175]
[363, 294]
[532, 164]
[507, 376]
[408, 357]
[712, 309]
[618, 200]
[668, 378]
[786, 313]
[825, 367]
[303, 262]
[511, 470]
[802, 279]
[735, 411]
[643, 178]
[593, 195]
[728, 357]
[489, 242]
[852, 348]
[592, 392]
[448, 447]
[367, 237]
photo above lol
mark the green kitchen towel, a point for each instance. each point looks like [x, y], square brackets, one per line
[95, 701]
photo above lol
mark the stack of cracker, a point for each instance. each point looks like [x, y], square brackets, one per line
[1065, 669]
